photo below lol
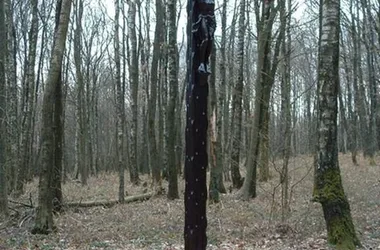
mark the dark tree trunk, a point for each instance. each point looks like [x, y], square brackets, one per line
[196, 160]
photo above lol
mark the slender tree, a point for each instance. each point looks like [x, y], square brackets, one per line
[120, 106]
[12, 99]
[173, 95]
[157, 55]
[134, 86]
[29, 102]
[328, 189]
[237, 102]
[3, 49]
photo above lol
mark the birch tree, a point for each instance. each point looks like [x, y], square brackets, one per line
[328, 188]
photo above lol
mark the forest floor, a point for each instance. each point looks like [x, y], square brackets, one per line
[232, 224]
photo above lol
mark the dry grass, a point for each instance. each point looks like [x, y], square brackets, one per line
[232, 224]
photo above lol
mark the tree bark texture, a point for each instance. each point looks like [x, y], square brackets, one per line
[44, 219]
[3, 49]
[156, 57]
[82, 163]
[237, 181]
[328, 188]
[29, 103]
[200, 37]
[134, 85]
[12, 100]
[173, 96]
[120, 106]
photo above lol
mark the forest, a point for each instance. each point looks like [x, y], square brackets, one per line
[173, 124]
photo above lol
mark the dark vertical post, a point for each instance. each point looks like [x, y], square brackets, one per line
[200, 30]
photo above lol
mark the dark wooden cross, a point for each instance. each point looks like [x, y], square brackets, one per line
[201, 27]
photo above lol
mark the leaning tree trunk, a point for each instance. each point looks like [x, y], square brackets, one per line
[328, 188]
[265, 28]
[44, 219]
[3, 49]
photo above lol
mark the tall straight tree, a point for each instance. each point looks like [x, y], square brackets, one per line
[200, 29]
[173, 96]
[44, 219]
[29, 102]
[81, 102]
[134, 86]
[119, 105]
[237, 100]
[3, 49]
[328, 188]
[12, 100]
[157, 56]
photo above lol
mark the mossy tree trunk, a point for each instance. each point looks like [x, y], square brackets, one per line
[44, 223]
[328, 188]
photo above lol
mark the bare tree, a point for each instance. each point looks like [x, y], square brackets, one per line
[44, 219]
[134, 86]
[328, 189]
[120, 106]
[3, 49]
[173, 96]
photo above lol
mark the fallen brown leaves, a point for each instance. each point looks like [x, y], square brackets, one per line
[232, 225]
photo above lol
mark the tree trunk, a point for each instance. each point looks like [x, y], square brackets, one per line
[200, 39]
[237, 181]
[286, 107]
[26, 133]
[263, 89]
[12, 99]
[328, 189]
[44, 219]
[3, 180]
[120, 106]
[216, 166]
[157, 47]
[173, 96]
[81, 102]
[134, 83]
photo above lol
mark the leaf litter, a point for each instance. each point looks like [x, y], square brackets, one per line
[232, 224]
